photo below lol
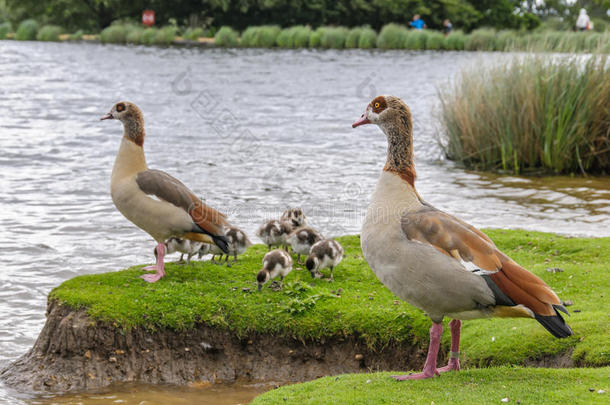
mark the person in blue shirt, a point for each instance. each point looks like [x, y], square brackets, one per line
[417, 22]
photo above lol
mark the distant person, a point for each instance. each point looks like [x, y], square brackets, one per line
[447, 26]
[583, 23]
[417, 22]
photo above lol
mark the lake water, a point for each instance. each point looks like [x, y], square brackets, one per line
[252, 132]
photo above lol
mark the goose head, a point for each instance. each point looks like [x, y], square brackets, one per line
[384, 111]
[132, 118]
[261, 278]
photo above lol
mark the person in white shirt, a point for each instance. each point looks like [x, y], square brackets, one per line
[583, 22]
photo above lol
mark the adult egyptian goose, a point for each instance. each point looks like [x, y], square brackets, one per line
[275, 263]
[294, 215]
[438, 262]
[326, 253]
[175, 212]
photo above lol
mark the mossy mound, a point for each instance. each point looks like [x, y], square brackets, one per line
[482, 386]
[357, 304]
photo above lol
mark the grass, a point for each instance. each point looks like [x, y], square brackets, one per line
[49, 33]
[315, 39]
[27, 30]
[392, 36]
[367, 39]
[532, 114]
[227, 37]
[192, 34]
[356, 304]
[294, 37]
[483, 386]
[334, 37]
[114, 34]
[263, 36]
[5, 28]
[165, 35]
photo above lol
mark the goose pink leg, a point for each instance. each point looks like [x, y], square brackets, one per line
[159, 267]
[429, 370]
[454, 355]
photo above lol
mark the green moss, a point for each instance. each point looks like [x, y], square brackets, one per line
[311, 309]
[49, 33]
[483, 386]
[27, 30]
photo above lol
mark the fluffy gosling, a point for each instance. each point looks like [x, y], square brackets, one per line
[184, 246]
[274, 232]
[326, 253]
[296, 216]
[275, 263]
[302, 239]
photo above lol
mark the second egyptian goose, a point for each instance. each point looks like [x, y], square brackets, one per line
[153, 200]
[436, 261]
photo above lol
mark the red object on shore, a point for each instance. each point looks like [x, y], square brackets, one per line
[148, 17]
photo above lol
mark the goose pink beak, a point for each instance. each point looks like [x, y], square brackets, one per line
[361, 121]
[107, 117]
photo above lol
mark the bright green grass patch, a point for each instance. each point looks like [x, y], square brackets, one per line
[263, 36]
[357, 304]
[481, 387]
[392, 36]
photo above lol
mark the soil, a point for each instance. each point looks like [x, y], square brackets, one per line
[74, 352]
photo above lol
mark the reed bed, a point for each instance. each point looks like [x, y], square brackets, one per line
[27, 30]
[49, 33]
[534, 114]
[227, 37]
[391, 36]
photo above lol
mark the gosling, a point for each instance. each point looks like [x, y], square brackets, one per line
[184, 246]
[274, 233]
[327, 253]
[294, 215]
[237, 244]
[275, 263]
[302, 240]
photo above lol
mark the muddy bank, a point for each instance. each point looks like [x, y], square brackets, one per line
[73, 352]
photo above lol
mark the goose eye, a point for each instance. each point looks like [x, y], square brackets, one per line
[377, 105]
[120, 107]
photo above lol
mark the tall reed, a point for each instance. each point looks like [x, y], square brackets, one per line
[227, 37]
[534, 113]
[27, 30]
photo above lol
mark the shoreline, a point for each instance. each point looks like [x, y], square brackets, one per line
[207, 323]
